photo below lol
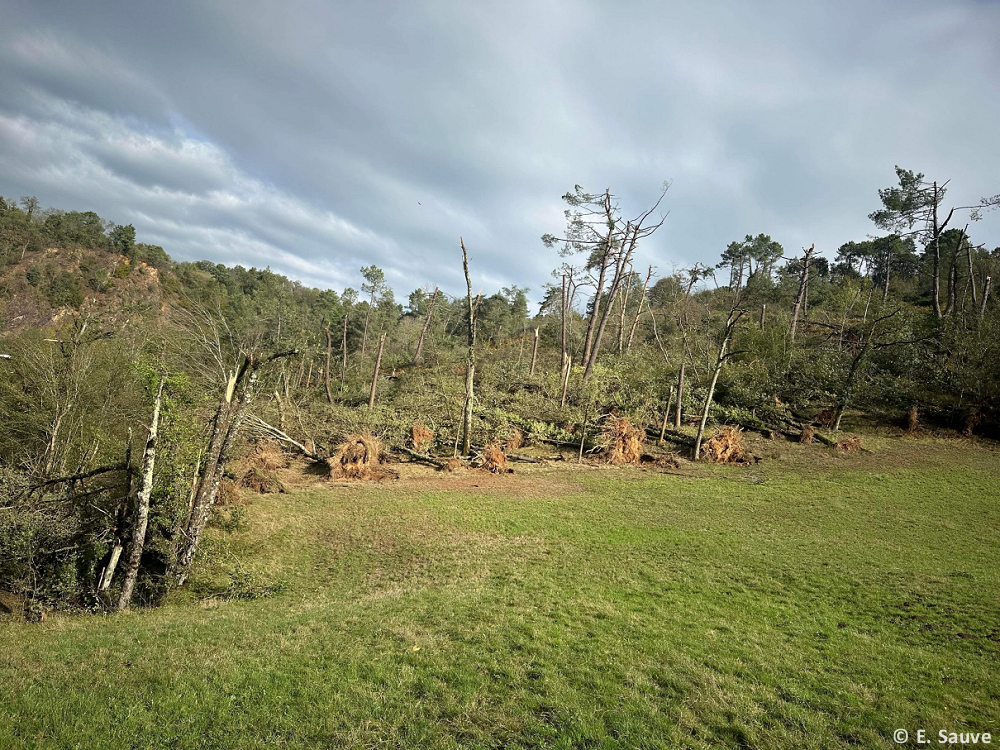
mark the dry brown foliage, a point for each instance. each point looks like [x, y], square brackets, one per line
[261, 480]
[825, 418]
[268, 455]
[262, 465]
[228, 494]
[972, 420]
[808, 434]
[357, 458]
[452, 464]
[420, 436]
[726, 446]
[912, 420]
[848, 444]
[514, 441]
[624, 441]
[494, 459]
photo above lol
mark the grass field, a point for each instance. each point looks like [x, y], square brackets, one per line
[815, 600]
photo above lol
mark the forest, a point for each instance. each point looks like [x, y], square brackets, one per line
[137, 393]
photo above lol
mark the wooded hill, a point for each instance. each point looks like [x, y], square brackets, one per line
[129, 383]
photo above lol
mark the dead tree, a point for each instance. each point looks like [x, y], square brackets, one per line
[470, 367]
[680, 396]
[638, 311]
[801, 297]
[237, 396]
[427, 324]
[326, 370]
[343, 354]
[720, 360]
[534, 355]
[142, 503]
[378, 363]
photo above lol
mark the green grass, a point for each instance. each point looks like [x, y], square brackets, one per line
[840, 599]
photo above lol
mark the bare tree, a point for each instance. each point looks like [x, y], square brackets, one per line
[142, 503]
[378, 363]
[427, 324]
[470, 367]
[803, 294]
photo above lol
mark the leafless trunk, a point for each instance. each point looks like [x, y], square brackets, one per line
[326, 370]
[568, 366]
[666, 416]
[801, 297]
[470, 368]
[734, 318]
[623, 305]
[563, 316]
[763, 312]
[986, 295]
[309, 377]
[638, 312]
[142, 503]
[680, 396]
[378, 363]
[534, 355]
[972, 274]
[936, 280]
[343, 355]
[368, 315]
[427, 324]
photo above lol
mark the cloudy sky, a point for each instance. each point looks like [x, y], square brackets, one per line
[315, 138]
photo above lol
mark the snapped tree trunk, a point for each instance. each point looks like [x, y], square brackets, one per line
[680, 396]
[563, 316]
[936, 280]
[142, 503]
[803, 293]
[987, 285]
[326, 370]
[734, 318]
[470, 368]
[534, 355]
[638, 312]
[666, 416]
[343, 355]
[378, 363]
[427, 323]
[567, 366]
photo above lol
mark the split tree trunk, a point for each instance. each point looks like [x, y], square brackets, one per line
[423, 331]
[378, 363]
[142, 503]
[326, 370]
[534, 355]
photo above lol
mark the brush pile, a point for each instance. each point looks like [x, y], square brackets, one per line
[262, 466]
[624, 441]
[357, 458]
[421, 437]
[808, 434]
[913, 421]
[849, 444]
[494, 459]
[228, 494]
[726, 446]
[514, 441]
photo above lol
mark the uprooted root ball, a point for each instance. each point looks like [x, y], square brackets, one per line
[624, 441]
[494, 459]
[849, 444]
[808, 434]
[356, 458]
[514, 441]
[420, 436]
[726, 446]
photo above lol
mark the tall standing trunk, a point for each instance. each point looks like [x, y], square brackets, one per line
[666, 416]
[104, 582]
[588, 341]
[343, 355]
[720, 360]
[309, 377]
[936, 280]
[470, 367]
[972, 274]
[680, 396]
[326, 371]
[563, 316]
[427, 323]
[534, 355]
[378, 363]
[803, 294]
[638, 311]
[368, 315]
[567, 368]
[623, 305]
[987, 285]
[142, 503]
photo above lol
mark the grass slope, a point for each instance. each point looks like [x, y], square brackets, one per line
[838, 600]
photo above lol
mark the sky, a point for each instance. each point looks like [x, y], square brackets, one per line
[315, 138]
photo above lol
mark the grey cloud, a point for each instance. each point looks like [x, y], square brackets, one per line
[319, 138]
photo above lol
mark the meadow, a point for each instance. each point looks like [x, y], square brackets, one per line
[815, 600]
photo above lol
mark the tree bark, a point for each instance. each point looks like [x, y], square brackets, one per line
[563, 316]
[427, 323]
[936, 280]
[734, 318]
[326, 370]
[534, 355]
[142, 503]
[568, 365]
[343, 354]
[666, 416]
[680, 396]
[638, 312]
[986, 295]
[378, 363]
[470, 368]
[803, 292]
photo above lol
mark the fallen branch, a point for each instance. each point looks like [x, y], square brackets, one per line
[285, 438]
[423, 457]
